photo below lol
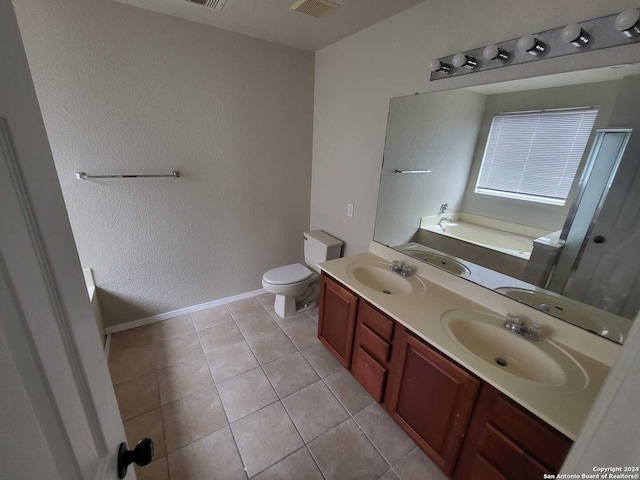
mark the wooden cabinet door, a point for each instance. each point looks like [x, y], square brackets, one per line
[509, 442]
[431, 398]
[337, 319]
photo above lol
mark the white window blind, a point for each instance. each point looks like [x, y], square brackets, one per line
[535, 156]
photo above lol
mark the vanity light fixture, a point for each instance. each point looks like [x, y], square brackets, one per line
[530, 44]
[462, 60]
[586, 35]
[436, 65]
[628, 22]
[493, 52]
[575, 35]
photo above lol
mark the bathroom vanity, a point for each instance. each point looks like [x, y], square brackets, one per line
[481, 401]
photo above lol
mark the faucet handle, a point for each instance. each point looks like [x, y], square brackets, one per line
[534, 331]
[514, 319]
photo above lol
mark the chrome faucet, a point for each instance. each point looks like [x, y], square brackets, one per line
[400, 268]
[517, 325]
[443, 219]
[444, 208]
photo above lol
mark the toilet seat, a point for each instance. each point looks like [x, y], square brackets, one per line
[287, 275]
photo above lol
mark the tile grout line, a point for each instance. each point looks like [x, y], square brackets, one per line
[403, 459]
[274, 391]
[352, 417]
[315, 461]
[235, 443]
[164, 431]
[306, 444]
[278, 399]
[160, 405]
[372, 442]
[298, 350]
[215, 384]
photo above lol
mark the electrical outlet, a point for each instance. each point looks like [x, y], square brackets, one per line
[350, 210]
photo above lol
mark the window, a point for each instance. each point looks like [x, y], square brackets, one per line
[534, 156]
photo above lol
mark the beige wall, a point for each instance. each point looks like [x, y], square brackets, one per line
[427, 132]
[356, 77]
[124, 90]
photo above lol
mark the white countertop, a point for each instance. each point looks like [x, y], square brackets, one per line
[564, 410]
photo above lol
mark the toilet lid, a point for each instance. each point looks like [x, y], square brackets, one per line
[288, 274]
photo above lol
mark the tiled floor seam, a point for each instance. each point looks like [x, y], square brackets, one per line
[374, 443]
[244, 467]
[195, 439]
[402, 460]
[284, 407]
[228, 424]
[315, 461]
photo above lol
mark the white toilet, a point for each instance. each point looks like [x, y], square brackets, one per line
[296, 286]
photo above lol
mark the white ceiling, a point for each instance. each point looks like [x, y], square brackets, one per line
[272, 20]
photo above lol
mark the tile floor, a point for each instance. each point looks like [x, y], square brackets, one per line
[236, 392]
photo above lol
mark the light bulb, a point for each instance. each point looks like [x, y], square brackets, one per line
[462, 60]
[436, 65]
[575, 35]
[530, 44]
[493, 52]
[627, 22]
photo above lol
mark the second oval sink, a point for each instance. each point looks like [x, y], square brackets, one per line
[379, 277]
[603, 323]
[484, 336]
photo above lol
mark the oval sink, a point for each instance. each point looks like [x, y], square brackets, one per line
[605, 324]
[484, 336]
[378, 276]
[441, 261]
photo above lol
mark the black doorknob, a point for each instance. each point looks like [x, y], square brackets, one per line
[598, 239]
[141, 455]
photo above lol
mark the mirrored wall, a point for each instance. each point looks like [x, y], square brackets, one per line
[530, 188]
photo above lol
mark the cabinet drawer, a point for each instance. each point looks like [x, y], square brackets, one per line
[376, 321]
[540, 442]
[483, 470]
[509, 459]
[372, 343]
[510, 441]
[371, 375]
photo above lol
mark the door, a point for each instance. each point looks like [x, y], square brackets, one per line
[602, 163]
[608, 272]
[431, 398]
[337, 319]
[51, 350]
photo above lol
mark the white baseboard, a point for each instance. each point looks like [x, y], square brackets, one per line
[181, 311]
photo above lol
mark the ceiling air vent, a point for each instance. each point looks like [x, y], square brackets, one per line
[215, 4]
[315, 8]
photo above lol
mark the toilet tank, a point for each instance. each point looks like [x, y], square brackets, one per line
[320, 247]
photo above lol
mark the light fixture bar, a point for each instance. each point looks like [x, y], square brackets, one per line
[604, 32]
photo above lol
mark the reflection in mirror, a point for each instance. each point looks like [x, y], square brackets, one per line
[530, 189]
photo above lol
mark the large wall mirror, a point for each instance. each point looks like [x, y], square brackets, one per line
[530, 188]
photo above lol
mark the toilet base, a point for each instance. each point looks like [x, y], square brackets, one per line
[290, 306]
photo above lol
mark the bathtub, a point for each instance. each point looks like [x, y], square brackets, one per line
[491, 238]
